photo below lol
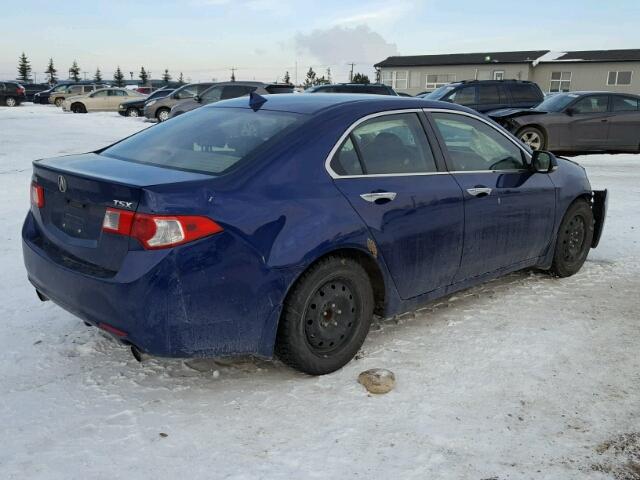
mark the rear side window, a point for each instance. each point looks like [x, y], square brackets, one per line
[624, 104]
[235, 91]
[488, 94]
[209, 140]
[390, 144]
[523, 92]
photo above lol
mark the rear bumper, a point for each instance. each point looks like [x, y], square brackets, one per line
[195, 300]
[599, 207]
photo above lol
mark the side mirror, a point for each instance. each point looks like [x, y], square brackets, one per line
[570, 111]
[543, 162]
[197, 98]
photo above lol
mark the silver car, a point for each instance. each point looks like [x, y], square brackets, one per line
[159, 109]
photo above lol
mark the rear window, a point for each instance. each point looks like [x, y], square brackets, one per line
[279, 89]
[208, 140]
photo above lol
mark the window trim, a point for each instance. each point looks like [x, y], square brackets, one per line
[500, 72]
[617, 72]
[433, 85]
[354, 125]
[394, 75]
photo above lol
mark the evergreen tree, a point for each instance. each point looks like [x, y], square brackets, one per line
[310, 79]
[144, 76]
[98, 76]
[74, 72]
[166, 78]
[233, 74]
[329, 76]
[118, 77]
[180, 79]
[360, 78]
[24, 68]
[51, 71]
[321, 81]
[287, 78]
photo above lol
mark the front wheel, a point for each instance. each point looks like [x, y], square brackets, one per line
[574, 239]
[10, 102]
[163, 115]
[326, 316]
[132, 112]
[78, 108]
[58, 102]
[533, 137]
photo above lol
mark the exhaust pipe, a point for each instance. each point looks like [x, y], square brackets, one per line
[138, 355]
[42, 296]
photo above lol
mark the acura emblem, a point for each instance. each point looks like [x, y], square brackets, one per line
[62, 183]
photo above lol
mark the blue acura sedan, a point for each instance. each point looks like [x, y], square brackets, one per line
[282, 224]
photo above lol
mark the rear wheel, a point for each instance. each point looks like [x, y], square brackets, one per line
[162, 114]
[574, 239]
[10, 102]
[133, 112]
[533, 137]
[326, 316]
[58, 102]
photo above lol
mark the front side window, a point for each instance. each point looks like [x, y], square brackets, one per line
[560, 82]
[186, 92]
[463, 96]
[475, 146]
[100, 93]
[619, 78]
[209, 140]
[591, 104]
[624, 104]
[389, 144]
[212, 95]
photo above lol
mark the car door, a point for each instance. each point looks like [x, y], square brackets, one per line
[466, 96]
[97, 101]
[588, 127]
[114, 99]
[624, 124]
[509, 210]
[386, 168]
[489, 98]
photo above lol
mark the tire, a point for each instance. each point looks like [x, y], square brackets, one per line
[163, 114]
[58, 102]
[533, 137]
[574, 239]
[10, 102]
[326, 316]
[133, 112]
[78, 108]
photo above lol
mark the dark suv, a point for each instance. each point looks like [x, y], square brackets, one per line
[374, 88]
[11, 94]
[486, 95]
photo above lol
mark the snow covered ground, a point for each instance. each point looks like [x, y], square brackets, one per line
[525, 377]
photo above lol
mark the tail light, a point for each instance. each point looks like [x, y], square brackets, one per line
[37, 195]
[158, 231]
[20, 90]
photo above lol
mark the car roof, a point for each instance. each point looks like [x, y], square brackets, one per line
[311, 104]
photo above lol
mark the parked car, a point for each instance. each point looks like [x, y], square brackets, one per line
[578, 122]
[31, 89]
[43, 96]
[103, 100]
[282, 223]
[73, 90]
[160, 109]
[11, 94]
[225, 91]
[135, 107]
[372, 88]
[487, 95]
[144, 90]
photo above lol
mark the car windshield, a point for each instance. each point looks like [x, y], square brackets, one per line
[556, 103]
[209, 140]
[439, 92]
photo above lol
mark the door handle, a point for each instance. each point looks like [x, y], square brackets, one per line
[479, 191]
[375, 197]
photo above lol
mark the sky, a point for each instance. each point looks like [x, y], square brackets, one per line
[263, 39]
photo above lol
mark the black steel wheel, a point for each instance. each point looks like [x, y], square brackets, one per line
[326, 316]
[574, 239]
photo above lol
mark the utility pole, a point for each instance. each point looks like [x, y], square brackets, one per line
[85, 75]
[233, 74]
[351, 73]
[131, 73]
